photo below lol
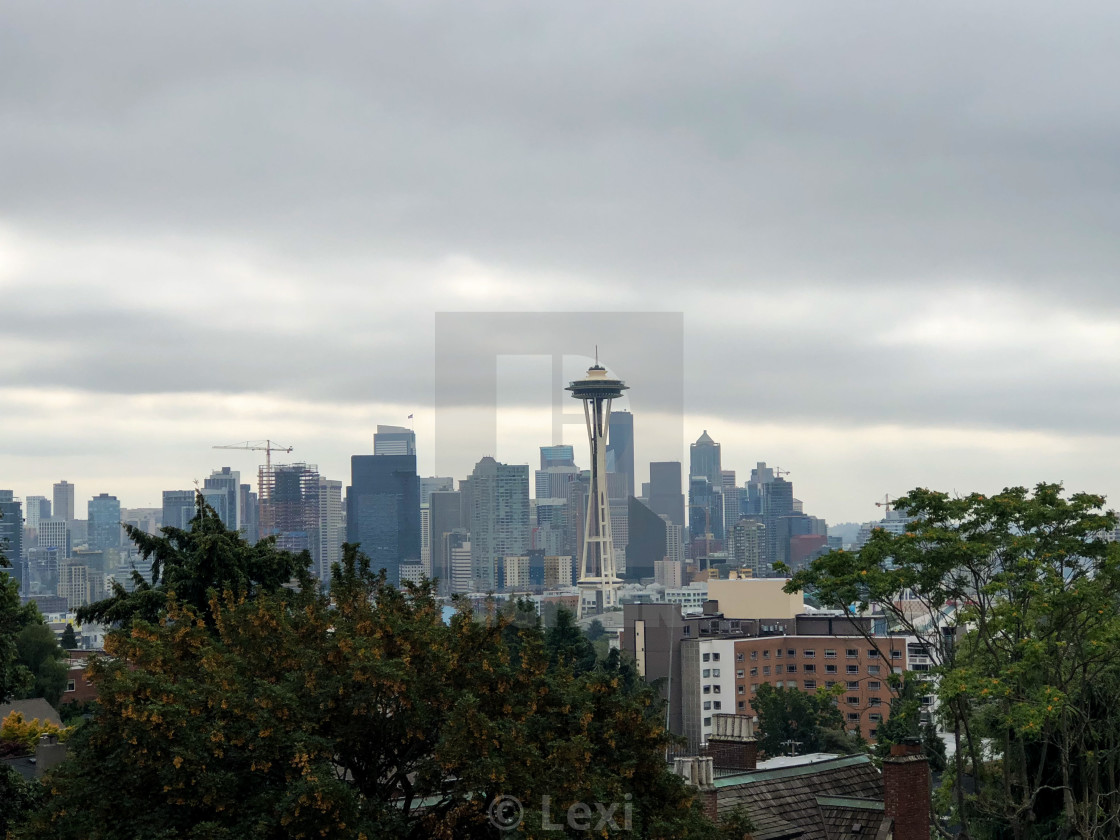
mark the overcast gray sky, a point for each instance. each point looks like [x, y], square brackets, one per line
[892, 228]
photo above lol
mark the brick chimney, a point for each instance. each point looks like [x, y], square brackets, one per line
[732, 744]
[906, 790]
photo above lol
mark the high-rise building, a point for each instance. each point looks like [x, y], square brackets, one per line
[598, 578]
[64, 501]
[705, 509]
[394, 440]
[435, 484]
[178, 508]
[55, 533]
[444, 516]
[499, 523]
[777, 501]
[11, 531]
[226, 482]
[754, 502]
[291, 508]
[620, 448]
[250, 514]
[648, 543]
[104, 522]
[37, 507]
[665, 495]
[331, 533]
[704, 459]
[746, 545]
[560, 455]
[383, 510]
[457, 547]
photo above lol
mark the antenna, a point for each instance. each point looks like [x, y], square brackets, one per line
[596, 355]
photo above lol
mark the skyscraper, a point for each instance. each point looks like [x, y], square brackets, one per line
[665, 495]
[292, 491]
[444, 516]
[499, 524]
[331, 534]
[704, 459]
[55, 533]
[228, 483]
[394, 440]
[383, 510]
[11, 530]
[104, 522]
[648, 541]
[559, 455]
[37, 507]
[64, 501]
[777, 500]
[620, 448]
[178, 508]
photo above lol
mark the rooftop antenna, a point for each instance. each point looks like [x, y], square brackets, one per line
[596, 355]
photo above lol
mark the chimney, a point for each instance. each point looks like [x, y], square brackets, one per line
[906, 790]
[732, 744]
[698, 772]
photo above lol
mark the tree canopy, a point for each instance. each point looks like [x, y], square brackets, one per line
[792, 721]
[1015, 598]
[263, 711]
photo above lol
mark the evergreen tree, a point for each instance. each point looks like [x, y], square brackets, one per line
[69, 639]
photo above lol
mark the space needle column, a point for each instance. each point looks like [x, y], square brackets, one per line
[598, 581]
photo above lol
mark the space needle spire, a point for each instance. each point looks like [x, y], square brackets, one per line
[598, 580]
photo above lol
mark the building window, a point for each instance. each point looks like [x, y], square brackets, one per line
[715, 689]
[778, 669]
[873, 669]
[791, 684]
[707, 705]
[738, 657]
[852, 653]
[829, 683]
[810, 669]
[791, 669]
[830, 669]
[765, 670]
[742, 704]
[778, 653]
[853, 717]
[853, 686]
[766, 654]
[716, 705]
[742, 690]
[70, 686]
[809, 653]
[707, 673]
[715, 672]
[810, 685]
[707, 689]
[754, 672]
[754, 688]
[707, 657]
[754, 654]
[688, 629]
[830, 654]
[852, 701]
[715, 657]
[791, 652]
[874, 685]
[873, 653]
[896, 654]
[875, 716]
[707, 721]
[853, 669]
[875, 701]
[873, 732]
[739, 674]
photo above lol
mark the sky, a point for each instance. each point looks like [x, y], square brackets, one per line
[891, 230]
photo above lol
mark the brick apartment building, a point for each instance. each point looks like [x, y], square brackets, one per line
[711, 664]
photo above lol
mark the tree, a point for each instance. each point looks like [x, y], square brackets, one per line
[1014, 596]
[15, 678]
[274, 713]
[191, 563]
[69, 639]
[38, 651]
[800, 721]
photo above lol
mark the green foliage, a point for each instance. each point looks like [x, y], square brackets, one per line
[38, 651]
[595, 630]
[15, 677]
[18, 798]
[736, 825]
[809, 719]
[69, 640]
[1027, 587]
[277, 713]
[193, 562]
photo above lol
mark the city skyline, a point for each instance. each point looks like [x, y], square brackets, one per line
[892, 237]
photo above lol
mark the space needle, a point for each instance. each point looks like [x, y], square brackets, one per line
[598, 581]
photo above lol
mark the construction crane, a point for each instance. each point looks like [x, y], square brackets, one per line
[264, 480]
[779, 472]
[264, 446]
[885, 503]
